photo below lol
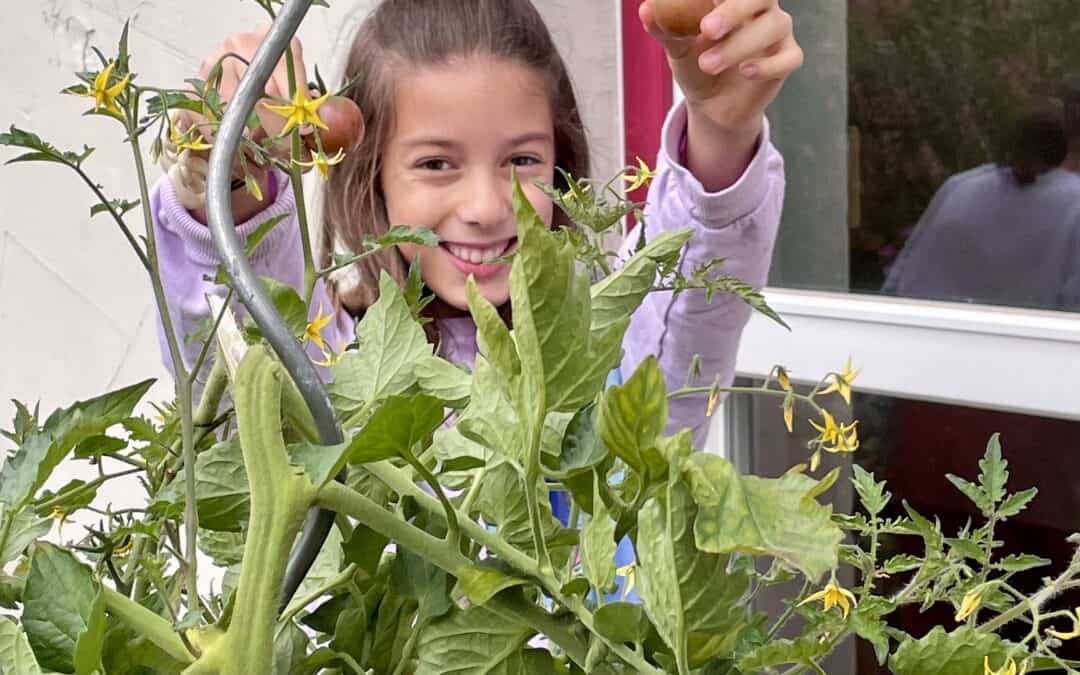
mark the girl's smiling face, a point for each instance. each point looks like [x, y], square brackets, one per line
[459, 129]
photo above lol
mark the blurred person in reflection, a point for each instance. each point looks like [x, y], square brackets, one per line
[1003, 233]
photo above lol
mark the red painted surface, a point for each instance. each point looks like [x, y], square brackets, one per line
[647, 90]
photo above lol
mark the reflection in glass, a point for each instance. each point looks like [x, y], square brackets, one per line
[913, 445]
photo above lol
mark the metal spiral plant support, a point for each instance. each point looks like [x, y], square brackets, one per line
[246, 283]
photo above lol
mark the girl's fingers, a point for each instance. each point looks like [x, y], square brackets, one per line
[730, 15]
[777, 66]
[753, 40]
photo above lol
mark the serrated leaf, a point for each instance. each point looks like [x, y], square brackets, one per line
[902, 563]
[490, 419]
[43, 151]
[33, 462]
[391, 342]
[763, 516]
[1016, 502]
[403, 234]
[598, 545]
[364, 547]
[778, 652]
[16, 657]
[24, 528]
[119, 206]
[475, 641]
[971, 491]
[222, 494]
[632, 416]
[866, 620]
[1020, 562]
[57, 605]
[552, 313]
[502, 503]
[960, 652]
[618, 295]
[872, 494]
[993, 471]
[261, 231]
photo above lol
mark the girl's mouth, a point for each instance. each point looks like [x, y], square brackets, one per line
[480, 261]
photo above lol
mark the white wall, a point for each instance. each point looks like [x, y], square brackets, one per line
[76, 313]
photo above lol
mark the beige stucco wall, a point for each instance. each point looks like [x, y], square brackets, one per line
[75, 308]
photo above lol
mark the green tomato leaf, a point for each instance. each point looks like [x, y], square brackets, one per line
[1016, 502]
[20, 528]
[632, 416]
[222, 493]
[780, 651]
[42, 151]
[492, 336]
[261, 231]
[762, 516]
[872, 494]
[581, 448]
[439, 378]
[561, 371]
[622, 622]
[58, 605]
[398, 425]
[33, 462]
[1020, 562]
[617, 296]
[365, 548]
[403, 234]
[972, 491]
[598, 546]
[16, 657]
[993, 471]
[391, 344]
[960, 652]
[480, 583]
[422, 581]
[658, 578]
[475, 641]
[89, 645]
[490, 419]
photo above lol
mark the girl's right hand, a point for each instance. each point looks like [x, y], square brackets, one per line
[244, 45]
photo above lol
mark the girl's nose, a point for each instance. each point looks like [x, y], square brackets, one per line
[485, 200]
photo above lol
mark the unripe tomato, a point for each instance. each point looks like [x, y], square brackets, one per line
[681, 17]
[346, 123]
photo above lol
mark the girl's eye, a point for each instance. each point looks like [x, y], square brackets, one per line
[524, 160]
[434, 165]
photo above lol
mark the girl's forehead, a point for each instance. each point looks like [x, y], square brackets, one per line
[476, 93]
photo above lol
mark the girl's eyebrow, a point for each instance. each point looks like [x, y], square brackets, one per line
[440, 142]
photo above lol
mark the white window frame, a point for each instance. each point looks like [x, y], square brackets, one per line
[999, 358]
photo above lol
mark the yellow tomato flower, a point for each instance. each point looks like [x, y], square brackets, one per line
[1007, 668]
[833, 595]
[323, 163]
[301, 111]
[315, 327]
[789, 414]
[126, 547]
[642, 176]
[842, 382]
[847, 440]
[190, 139]
[970, 604]
[784, 379]
[105, 96]
[829, 432]
[630, 573]
[1074, 633]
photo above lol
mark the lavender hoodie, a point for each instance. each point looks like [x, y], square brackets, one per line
[738, 223]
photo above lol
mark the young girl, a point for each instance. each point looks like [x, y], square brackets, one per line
[457, 93]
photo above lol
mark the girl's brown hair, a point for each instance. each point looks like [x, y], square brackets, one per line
[402, 34]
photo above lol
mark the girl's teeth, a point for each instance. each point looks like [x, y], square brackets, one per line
[474, 255]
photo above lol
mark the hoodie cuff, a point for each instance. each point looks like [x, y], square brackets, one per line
[713, 209]
[196, 237]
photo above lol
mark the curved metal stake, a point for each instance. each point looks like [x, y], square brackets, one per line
[246, 283]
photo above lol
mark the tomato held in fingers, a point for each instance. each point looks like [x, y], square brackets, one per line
[681, 17]
[346, 123]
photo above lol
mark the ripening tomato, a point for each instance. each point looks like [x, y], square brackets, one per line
[681, 17]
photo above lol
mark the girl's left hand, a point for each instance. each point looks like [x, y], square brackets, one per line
[734, 69]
